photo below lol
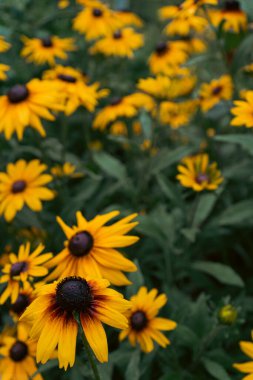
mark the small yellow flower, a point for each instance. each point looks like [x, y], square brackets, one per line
[243, 111]
[197, 173]
[62, 4]
[231, 17]
[65, 170]
[144, 325]
[4, 46]
[214, 92]
[186, 24]
[228, 314]
[167, 55]
[177, 114]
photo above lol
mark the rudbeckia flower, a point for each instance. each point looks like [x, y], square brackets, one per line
[4, 46]
[128, 18]
[177, 114]
[121, 43]
[217, 90]
[47, 49]
[22, 267]
[243, 111]
[144, 325]
[3, 70]
[91, 249]
[53, 321]
[185, 24]
[96, 20]
[198, 3]
[167, 55]
[66, 170]
[197, 173]
[247, 367]
[73, 84]
[23, 183]
[17, 359]
[232, 17]
[25, 296]
[24, 105]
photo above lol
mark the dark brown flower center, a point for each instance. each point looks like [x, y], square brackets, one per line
[18, 351]
[97, 12]
[202, 177]
[232, 5]
[161, 48]
[18, 93]
[67, 78]
[73, 294]
[18, 268]
[18, 187]
[46, 42]
[115, 101]
[81, 244]
[117, 35]
[217, 90]
[138, 320]
[21, 304]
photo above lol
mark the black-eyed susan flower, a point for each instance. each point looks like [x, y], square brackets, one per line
[167, 55]
[46, 49]
[231, 17]
[23, 184]
[73, 84]
[247, 367]
[185, 24]
[3, 70]
[177, 114]
[198, 173]
[144, 325]
[4, 46]
[120, 43]
[17, 358]
[66, 170]
[214, 92]
[24, 266]
[128, 18]
[91, 249]
[25, 296]
[25, 105]
[96, 20]
[243, 111]
[54, 324]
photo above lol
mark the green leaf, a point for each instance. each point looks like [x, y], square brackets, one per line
[110, 165]
[167, 157]
[133, 368]
[220, 272]
[146, 124]
[204, 207]
[244, 140]
[236, 214]
[215, 370]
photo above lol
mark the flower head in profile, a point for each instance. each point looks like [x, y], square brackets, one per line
[91, 249]
[231, 17]
[23, 184]
[47, 49]
[243, 111]
[120, 43]
[167, 55]
[198, 173]
[24, 266]
[73, 84]
[247, 367]
[214, 92]
[18, 358]
[144, 325]
[185, 25]
[66, 170]
[4, 46]
[25, 105]
[52, 315]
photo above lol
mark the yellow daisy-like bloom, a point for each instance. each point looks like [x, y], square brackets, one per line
[47, 49]
[4, 46]
[170, 12]
[128, 18]
[73, 84]
[66, 170]
[127, 106]
[167, 55]
[197, 173]
[144, 325]
[185, 24]
[194, 45]
[3, 70]
[91, 249]
[198, 3]
[17, 361]
[24, 105]
[233, 19]
[247, 368]
[121, 43]
[96, 20]
[243, 111]
[23, 267]
[217, 90]
[23, 183]
[54, 324]
[25, 296]
[177, 114]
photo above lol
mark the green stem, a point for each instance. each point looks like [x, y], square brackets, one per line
[90, 357]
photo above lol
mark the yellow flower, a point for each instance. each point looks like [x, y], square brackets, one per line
[217, 90]
[167, 55]
[121, 43]
[197, 173]
[73, 84]
[247, 368]
[91, 249]
[4, 46]
[23, 183]
[62, 4]
[47, 49]
[25, 296]
[54, 324]
[119, 129]
[232, 17]
[186, 24]
[22, 267]
[3, 70]
[177, 114]
[198, 3]
[128, 18]
[194, 45]
[144, 325]
[24, 105]
[243, 111]
[96, 20]
[66, 170]
[17, 359]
